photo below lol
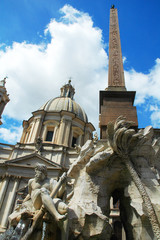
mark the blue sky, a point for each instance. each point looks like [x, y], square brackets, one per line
[44, 42]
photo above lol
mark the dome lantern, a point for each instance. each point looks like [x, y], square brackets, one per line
[68, 90]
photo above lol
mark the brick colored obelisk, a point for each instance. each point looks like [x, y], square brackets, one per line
[115, 73]
[115, 100]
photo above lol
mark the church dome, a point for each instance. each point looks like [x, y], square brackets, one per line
[59, 121]
[65, 104]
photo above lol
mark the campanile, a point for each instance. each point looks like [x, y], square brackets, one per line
[115, 100]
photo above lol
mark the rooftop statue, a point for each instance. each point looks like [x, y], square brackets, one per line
[3, 82]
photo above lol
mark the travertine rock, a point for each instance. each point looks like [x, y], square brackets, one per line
[126, 165]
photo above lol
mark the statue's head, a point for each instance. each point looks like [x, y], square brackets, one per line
[40, 171]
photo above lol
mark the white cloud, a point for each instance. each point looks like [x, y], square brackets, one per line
[11, 135]
[146, 85]
[72, 15]
[124, 59]
[2, 45]
[37, 72]
[147, 90]
[155, 118]
[153, 108]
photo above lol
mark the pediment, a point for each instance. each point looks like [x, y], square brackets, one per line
[31, 160]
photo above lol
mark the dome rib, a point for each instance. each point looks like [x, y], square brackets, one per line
[65, 104]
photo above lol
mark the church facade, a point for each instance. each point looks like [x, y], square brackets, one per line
[49, 137]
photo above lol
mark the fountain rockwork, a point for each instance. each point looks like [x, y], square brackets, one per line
[125, 165]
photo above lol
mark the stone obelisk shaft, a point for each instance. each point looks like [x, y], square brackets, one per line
[115, 74]
[115, 100]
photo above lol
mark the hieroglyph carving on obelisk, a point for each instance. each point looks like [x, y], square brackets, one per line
[116, 73]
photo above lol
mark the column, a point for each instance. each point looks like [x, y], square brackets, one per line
[61, 132]
[86, 136]
[23, 136]
[63, 157]
[9, 204]
[79, 141]
[3, 190]
[25, 126]
[39, 127]
[54, 140]
[36, 130]
[31, 131]
[67, 133]
[44, 133]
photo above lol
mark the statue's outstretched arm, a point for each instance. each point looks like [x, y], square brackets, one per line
[61, 190]
[28, 197]
[58, 188]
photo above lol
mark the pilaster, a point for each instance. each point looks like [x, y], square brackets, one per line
[64, 130]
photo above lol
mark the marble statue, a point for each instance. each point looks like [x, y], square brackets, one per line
[38, 145]
[2, 82]
[43, 194]
[39, 189]
[95, 139]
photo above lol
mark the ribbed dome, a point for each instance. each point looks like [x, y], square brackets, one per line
[65, 104]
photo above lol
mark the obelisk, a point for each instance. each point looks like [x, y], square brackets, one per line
[115, 100]
[115, 73]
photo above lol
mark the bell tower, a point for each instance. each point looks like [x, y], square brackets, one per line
[115, 100]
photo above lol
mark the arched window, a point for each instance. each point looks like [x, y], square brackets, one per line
[74, 141]
[49, 135]
[76, 136]
[49, 131]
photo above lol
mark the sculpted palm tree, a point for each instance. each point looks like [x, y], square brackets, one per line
[123, 141]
